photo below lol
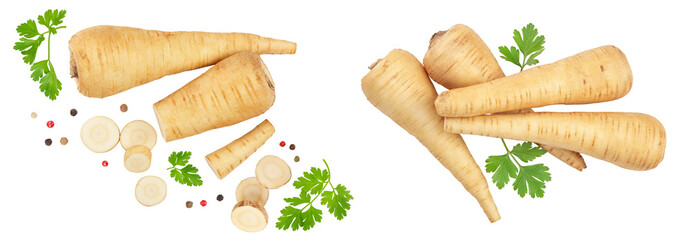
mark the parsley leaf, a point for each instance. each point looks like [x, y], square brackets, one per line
[29, 42]
[525, 152]
[313, 184]
[532, 178]
[529, 43]
[503, 167]
[337, 201]
[186, 175]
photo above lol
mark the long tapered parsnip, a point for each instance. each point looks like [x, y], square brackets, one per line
[458, 57]
[106, 60]
[630, 140]
[596, 75]
[399, 87]
[236, 89]
[227, 158]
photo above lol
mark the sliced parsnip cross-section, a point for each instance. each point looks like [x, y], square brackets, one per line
[138, 132]
[249, 216]
[250, 189]
[150, 191]
[138, 158]
[272, 172]
[100, 134]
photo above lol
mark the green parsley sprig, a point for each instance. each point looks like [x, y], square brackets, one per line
[529, 179]
[312, 185]
[529, 43]
[29, 41]
[187, 174]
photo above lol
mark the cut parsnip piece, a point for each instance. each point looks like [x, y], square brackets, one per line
[150, 191]
[249, 216]
[227, 158]
[138, 158]
[100, 134]
[272, 172]
[138, 132]
[251, 190]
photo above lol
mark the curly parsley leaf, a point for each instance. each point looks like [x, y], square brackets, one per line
[187, 174]
[532, 179]
[29, 42]
[313, 184]
[529, 43]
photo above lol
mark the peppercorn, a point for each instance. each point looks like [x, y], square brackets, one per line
[292, 146]
[49, 141]
[73, 112]
[203, 203]
[219, 197]
[189, 204]
[63, 141]
[282, 143]
[34, 115]
[296, 158]
[123, 107]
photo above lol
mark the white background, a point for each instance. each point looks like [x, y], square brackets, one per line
[400, 190]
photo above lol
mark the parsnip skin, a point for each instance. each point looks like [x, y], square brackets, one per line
[399, 87]
[229, 157]
[458, 57]
[236, 89]
[630, 140]
[106, 60]
[596, 75]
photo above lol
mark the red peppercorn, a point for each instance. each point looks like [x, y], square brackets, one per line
[203, 203]
[282, 143]
[50, 124]
[104, 163]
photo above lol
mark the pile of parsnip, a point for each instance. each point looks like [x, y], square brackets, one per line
[481, 100]
[106, 60]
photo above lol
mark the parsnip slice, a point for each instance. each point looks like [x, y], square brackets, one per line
[250, 189]
[138, 132]
[100, 134]
[150, 191]
[272, 172]
[138, 158]
[249, 216]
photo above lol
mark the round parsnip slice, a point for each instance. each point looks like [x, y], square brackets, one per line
[273, 172]
[138, 158]
[138, 132]
[249, 216]
[150, 191]
[100, 134]
[250, 189]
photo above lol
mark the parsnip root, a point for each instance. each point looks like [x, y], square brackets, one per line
[138, 132]
[150, 191]
[458, 58]
[236, 89]
[596, 75]
[138, 158]
[229, 157]
[100, 134]
[251, 190]
[399, 87]
[630, 140]
[249, 216]
[273, 172]
[106, 60]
